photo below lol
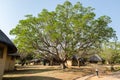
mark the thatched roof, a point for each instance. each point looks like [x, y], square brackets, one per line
[95, 58]
[5, 40]
[14, 55]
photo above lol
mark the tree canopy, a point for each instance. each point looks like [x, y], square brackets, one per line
[63, 32]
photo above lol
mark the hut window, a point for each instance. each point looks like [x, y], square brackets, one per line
[1, 52]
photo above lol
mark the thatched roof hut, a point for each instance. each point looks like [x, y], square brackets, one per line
[5, 40]
[6, 47]
[14, 55]
[95, 58]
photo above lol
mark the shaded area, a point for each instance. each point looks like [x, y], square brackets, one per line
[29, 71]
[47, 73]
[31, 78]
[84, 70]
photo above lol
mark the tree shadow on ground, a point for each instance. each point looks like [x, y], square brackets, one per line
[85, 71]
[30, 78]
[29, 71]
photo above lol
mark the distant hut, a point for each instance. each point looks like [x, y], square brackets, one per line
[76, 61]
[34, 61]
[95, 58]
[6, 47]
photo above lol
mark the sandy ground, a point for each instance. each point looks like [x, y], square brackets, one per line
[39, 72]
[112, 76]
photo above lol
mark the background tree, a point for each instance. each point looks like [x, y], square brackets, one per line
[68, 30]
[111, 52]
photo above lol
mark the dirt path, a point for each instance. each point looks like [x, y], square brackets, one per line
[113, 76]
[85, 77]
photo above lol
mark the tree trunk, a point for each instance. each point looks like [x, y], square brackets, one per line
[112, 67]
[78, 63]
[63, 66]
[51, 62]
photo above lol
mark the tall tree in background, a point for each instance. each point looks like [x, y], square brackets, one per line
[111, 52]
[63, 32]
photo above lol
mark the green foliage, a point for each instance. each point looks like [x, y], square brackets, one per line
[111, 52]
[63, 32]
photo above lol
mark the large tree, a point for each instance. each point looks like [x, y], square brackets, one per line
[68, 30]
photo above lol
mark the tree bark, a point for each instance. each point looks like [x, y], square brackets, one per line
[63, 66]
[78, 63]
[112, 67]
[51, 62]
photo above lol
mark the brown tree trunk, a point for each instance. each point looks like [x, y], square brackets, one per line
[63, 66]
[78, 63]
[51, 62]
[112, 67]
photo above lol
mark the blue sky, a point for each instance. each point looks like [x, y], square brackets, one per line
[11, 11]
